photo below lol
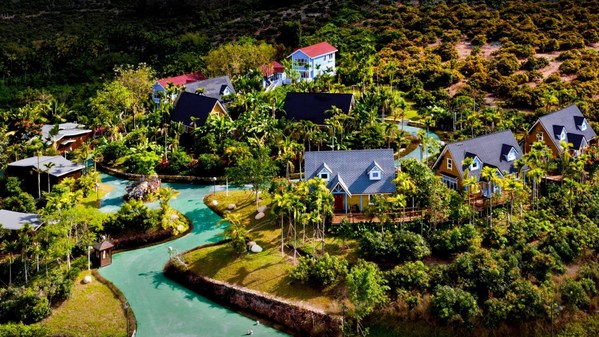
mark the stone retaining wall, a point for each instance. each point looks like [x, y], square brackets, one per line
[298, 320]
[163, 177]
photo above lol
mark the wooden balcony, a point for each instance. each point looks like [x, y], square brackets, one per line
[356, 217]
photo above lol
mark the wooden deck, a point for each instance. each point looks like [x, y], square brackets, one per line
[409, 215]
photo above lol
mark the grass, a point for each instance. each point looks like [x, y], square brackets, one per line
[267, 271]
[92, 310]
[93, 200]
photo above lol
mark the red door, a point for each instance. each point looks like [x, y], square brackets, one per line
[339, 202]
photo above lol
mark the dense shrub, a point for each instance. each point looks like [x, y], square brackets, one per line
[23, 305]
[453, 305]
[574, 295]
[114, 150]
[535, 63]
[567, 242]
[143, 162]
[22, 330]
[132, 216]
[319, 271]
[409, 276]
[178, 163]
[452, 241]
[396, 246]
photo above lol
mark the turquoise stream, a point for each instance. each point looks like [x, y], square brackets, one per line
[163, 307]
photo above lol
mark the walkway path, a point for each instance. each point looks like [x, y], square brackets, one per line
[163, 307]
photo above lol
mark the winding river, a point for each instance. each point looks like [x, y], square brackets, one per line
[163, 307]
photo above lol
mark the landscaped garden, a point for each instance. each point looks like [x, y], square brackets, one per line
[526, 265]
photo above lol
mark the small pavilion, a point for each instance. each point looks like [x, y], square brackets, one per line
[102, 254]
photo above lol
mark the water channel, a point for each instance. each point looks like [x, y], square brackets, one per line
[417, 152]
[163, 307]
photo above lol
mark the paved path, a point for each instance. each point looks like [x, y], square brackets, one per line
[163, 307]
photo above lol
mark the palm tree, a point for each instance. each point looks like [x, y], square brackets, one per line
[24, 243]
[490, 175]
[235, 231]
[48, 166]
[9, 247]
[405, 186]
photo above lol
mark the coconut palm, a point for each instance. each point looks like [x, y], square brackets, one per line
[489, 173]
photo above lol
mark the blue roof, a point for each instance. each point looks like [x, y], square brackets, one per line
[16, 220]
[491, 150]
[314, 106]
[571, 119]
[190, 105]
[351, 168]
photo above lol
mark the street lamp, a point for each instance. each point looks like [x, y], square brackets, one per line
[344, 310]
[126, 306]
[89, 249]
[214, 185]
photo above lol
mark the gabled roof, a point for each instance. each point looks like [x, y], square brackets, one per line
[338, 181]
[100, 246]
[182, 79]
[374, 165]
[312, 106]
[61, 166]
[576, 140]
[571, 118]
[354, 166]
[193, 105]
[213, 87]
[16, 220]
[491, 149]
[273, 67]
[316, 50]
[64, 130]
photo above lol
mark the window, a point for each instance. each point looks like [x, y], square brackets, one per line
[583, 126]
[540, 137]
[324, 175]
[511, 156]
[562, 136]
[449, 164]
[370, 199]
[449, 182]
[475, 165]
[300, 62]
[375, 174]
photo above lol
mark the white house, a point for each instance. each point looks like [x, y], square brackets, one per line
[314, 60]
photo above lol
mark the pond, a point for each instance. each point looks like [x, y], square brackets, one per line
[163, 307]
[416, 154]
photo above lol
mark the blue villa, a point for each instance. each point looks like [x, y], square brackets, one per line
[314, 60]
[353, 177]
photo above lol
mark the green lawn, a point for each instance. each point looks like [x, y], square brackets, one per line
[93, 200]
[91, 311]
[266, 271]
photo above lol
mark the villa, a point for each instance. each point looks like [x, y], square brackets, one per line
[354, 176]
[567, 125]
[313, 61]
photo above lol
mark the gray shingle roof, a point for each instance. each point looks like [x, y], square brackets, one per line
[16, 220]
[193, 105]
[61, 166]
[491, 149]
[213, 87]
[570, 118]
[312, 106]
[65, 130]
[350, 168]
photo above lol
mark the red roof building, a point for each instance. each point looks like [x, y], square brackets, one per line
[316, 50]
[182, 79]
[271, 68]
